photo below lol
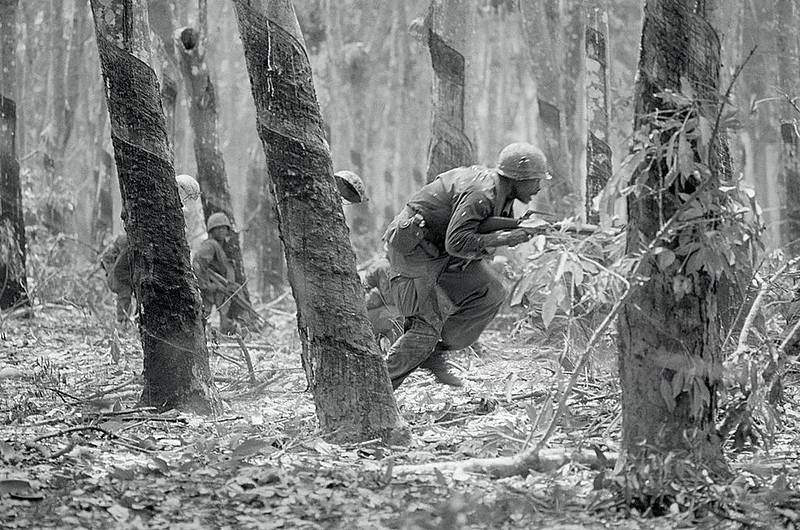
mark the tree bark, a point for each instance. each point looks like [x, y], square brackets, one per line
[450, 25]
[788, 78]
[344, 368]
[598, 151]
[550, 30]
[203, 117]
[261, 228]
[161, 18]
[670, 358]
[176, 370]
[13, 278]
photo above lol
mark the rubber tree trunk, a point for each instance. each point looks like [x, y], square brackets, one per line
[344, 369]
[449, 28]
[261, 228]
[161, 22]
[788, 82]
[670, 359]
[176, 371]
[203, 118]
[598, 152]
[13, 278]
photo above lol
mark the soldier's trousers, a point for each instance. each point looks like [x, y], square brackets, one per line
[218, 299]
[446, 304]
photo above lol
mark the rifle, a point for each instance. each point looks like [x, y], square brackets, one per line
[222, 283]
[539, 226]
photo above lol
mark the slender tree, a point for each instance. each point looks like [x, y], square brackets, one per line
[344, 369]
[161, 22]
[202, 100]
[176, 370]
[598, 152]
[13, 279]
[670, 358]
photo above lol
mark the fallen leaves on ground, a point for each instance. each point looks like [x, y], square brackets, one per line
[78, 452]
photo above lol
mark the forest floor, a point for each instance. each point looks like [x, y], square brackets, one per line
[76, 451]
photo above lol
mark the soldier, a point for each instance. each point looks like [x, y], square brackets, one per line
[446, 294]
[195, 226]
[117, 266]
[381, 309]
[215, 273]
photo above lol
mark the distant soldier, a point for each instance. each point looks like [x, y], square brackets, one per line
[195, 226]
[117, 266]
[215, 272]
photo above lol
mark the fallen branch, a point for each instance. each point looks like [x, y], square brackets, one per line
[248, 360]
[34, 444]
[544, 461]
[101, 393]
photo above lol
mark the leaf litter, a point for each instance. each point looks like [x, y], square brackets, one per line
[78, 452]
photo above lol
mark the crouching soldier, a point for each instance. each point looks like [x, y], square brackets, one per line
[215, 273]
[117, 266]
[387, 324]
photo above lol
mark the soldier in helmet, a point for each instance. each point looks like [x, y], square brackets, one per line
[194, 220]
[350, 187]
[215, 272]
[446, 294]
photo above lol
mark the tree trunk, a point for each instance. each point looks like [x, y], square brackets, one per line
[176, 370]
[448, 39]
[13, 278]
[261, 228]
[788, 77]
[161, 22]
[598, 152]
[344, 368]
[203, 117]
[670, 359]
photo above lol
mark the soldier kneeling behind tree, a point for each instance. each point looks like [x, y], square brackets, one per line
[117, 266]
[215, 272]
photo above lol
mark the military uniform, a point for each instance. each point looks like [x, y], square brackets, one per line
[381, 308]
[117, 266]
[211, 257]
[446, 294]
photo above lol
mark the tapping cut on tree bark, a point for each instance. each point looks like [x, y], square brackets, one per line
[448, 23]
[344, 368]
[176, 370]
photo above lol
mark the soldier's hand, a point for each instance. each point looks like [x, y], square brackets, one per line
[516, 236]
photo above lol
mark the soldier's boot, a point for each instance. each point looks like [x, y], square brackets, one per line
[440, 370]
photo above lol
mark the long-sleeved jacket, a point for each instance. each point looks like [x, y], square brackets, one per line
[115, 261]
[454, 205]
[211, 256]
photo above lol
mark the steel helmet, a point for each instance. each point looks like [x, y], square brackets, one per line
[188, 188]
[216, 220]
[523, 161]
[350, 185]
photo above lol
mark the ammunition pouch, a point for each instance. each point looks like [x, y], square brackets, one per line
[406, 232]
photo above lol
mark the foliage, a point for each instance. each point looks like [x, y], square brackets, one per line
[59, 270]
[689, 493]
[571, 276]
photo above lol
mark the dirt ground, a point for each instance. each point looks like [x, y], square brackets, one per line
[76, 451]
